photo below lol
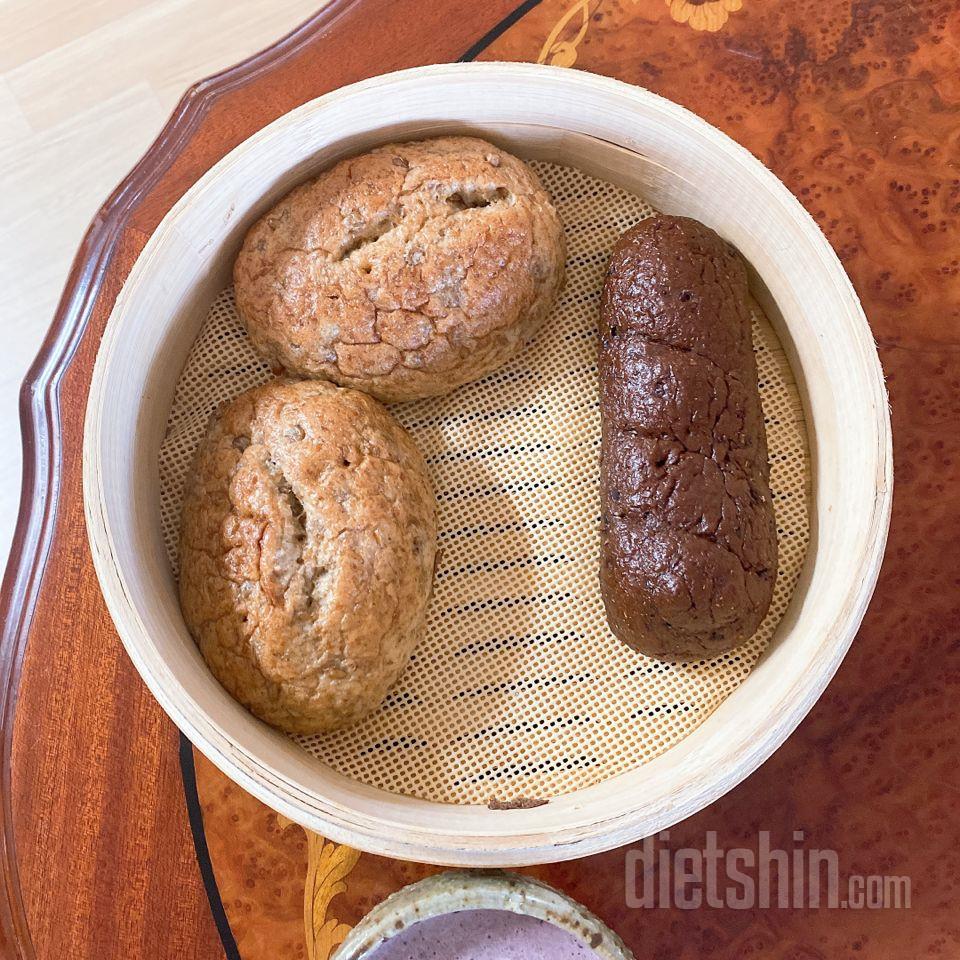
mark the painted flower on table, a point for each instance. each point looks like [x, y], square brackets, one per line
[708, 15]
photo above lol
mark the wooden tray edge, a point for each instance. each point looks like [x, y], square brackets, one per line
[40, 424]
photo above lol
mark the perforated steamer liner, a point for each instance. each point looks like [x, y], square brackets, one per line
[519, 690]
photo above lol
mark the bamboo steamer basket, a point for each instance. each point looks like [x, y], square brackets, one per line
[608, 129]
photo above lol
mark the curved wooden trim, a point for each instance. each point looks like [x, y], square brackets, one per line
[40, 416]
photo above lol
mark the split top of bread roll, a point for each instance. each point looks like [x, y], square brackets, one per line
[307, 552]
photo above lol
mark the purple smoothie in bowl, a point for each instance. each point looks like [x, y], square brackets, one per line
[483, 935]
[481, 915]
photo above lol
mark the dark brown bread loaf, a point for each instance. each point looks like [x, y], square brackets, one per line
[689, 539]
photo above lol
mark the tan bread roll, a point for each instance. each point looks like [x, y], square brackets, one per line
[406, 271]
[307, 552]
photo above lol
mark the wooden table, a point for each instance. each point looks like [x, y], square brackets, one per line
[120, 841]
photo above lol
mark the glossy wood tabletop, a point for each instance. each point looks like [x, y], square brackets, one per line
[119, 841]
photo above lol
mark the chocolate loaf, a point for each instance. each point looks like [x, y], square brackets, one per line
[689, 539]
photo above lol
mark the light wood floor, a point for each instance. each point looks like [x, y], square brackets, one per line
[85, 85]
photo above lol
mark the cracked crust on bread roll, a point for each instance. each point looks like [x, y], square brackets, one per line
[404, 272]
[307, 552]
[689, 537]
